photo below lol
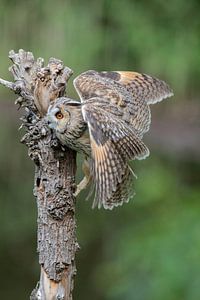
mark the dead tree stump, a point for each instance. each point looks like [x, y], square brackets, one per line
[55, 168]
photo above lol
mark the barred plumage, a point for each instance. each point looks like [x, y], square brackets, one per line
[107, 126]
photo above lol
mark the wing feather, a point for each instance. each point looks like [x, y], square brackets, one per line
[115, 106]
[128, 93]
[142, 86]
[113, 143]
[122, 193]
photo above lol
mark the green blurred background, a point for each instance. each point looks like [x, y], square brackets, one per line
[149, 248]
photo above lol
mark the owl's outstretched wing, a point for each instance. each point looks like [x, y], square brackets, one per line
[142, 87]
[130, 94]
[113, 143]
[115, 105]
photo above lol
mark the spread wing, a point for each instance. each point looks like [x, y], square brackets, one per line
[130, 94]
[115, 105]
[113, 143]
[142, 87]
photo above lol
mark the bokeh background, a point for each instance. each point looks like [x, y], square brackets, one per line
[149, 248]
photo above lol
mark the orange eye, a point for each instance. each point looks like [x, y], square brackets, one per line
[59, 115]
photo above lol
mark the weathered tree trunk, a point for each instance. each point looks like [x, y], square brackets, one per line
[55, 168]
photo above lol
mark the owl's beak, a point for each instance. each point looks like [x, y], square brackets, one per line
[50, 122]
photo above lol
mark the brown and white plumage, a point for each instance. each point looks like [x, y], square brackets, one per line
[108, 126]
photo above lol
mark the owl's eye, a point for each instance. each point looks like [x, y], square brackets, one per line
[59, 115]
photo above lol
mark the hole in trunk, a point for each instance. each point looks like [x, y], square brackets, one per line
[38, 181]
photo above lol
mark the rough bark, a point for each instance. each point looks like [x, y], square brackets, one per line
[55, 168]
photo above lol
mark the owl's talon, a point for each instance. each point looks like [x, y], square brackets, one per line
[76, 193]
[81, 186]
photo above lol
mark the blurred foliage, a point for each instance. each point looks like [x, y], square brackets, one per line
[149, 248]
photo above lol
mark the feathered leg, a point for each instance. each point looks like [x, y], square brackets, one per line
[86, 180]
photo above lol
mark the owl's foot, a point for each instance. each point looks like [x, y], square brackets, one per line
[82, 185]
[86, 180]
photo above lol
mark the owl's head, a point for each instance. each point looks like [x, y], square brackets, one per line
[62, 114]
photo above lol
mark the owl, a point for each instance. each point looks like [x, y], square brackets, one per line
[107, 127]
